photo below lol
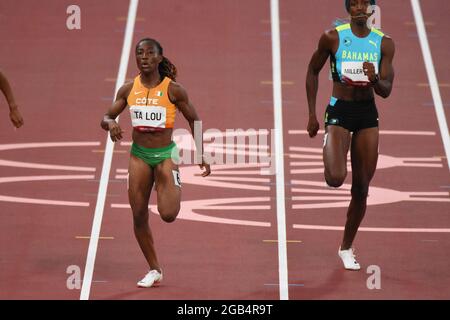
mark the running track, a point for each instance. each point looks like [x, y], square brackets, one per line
[225, 243]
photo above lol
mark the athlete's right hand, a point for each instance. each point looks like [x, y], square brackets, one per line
[115, 132]
[313, 126]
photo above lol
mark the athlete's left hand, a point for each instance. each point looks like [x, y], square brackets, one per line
[15, 116]
[207, 168]
[369, 71]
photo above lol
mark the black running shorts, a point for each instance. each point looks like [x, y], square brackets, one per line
[352, 115]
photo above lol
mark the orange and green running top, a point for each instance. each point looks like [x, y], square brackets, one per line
[151, 108]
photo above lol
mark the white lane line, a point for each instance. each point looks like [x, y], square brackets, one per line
[14, 146]
[428, 60]
[42, 166]
[98, 215]
[371, 229]
[387, 132]
[278, 146]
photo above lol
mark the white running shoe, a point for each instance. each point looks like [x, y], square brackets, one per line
[151, 279]
[348, 258]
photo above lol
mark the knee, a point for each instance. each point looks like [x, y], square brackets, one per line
[335, 179]
[360, 192]
[169, 215]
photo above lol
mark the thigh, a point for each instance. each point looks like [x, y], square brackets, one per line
[140, 183]
[364, 154]
[335, 148]
[168, 183]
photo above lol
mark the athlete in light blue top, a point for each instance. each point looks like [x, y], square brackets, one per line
[353, 51]
[361, 65]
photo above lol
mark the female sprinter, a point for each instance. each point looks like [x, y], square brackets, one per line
[153, 98]
[361, 64]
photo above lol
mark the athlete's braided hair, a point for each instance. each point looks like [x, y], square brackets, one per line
[166, 68]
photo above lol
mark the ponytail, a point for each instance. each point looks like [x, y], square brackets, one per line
[167, 69]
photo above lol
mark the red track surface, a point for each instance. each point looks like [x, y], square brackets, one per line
[64, 81]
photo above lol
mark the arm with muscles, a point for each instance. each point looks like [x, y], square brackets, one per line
[14, 114]
[316, 64]
[382, 83]
[180, 98]
[109, 120]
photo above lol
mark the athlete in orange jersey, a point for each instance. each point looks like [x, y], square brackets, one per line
[153, 98]
[14, 114]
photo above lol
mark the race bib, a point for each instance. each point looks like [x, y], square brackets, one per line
[353, 71]
[145, 116]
